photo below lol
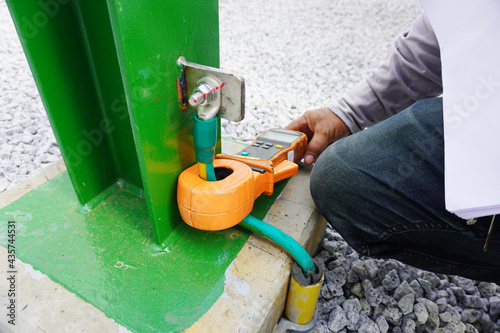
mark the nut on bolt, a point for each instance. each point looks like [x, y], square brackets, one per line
[206, 97]
[202, 94]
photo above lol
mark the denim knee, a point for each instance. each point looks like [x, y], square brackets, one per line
[325, 180]
[335, 196]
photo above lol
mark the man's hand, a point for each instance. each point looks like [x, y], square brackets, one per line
[322, 127]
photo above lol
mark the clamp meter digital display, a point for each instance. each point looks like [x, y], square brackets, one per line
[221, 204]
[276, 145]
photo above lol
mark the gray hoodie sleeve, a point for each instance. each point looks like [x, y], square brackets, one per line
[411, 72]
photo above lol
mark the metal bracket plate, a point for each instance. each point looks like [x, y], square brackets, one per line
[232, 93]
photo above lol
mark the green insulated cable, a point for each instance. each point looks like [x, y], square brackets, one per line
[205, 140]
[279, 237]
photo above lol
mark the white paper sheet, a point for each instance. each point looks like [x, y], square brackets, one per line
[468, 33]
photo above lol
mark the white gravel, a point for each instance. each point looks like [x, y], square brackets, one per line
[299, 55]
[26, 139]
[294, 55]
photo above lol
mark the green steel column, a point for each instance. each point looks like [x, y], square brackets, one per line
[106, 72]
[150, 36]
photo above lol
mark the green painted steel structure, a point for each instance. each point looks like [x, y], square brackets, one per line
[109, 229]
[106, 72]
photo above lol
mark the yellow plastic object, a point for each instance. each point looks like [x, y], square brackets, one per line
[302, 299]
[218, 205]
[202, 170]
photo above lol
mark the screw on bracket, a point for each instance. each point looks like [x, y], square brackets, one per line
[206, 97]
[203, 94]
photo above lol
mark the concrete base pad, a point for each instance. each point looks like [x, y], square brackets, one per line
[255, 283]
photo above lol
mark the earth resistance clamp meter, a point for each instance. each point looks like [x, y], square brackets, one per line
[241, 178]
[219, 191]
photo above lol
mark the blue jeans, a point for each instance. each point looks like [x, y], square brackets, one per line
[382, 189]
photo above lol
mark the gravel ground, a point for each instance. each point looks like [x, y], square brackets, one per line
[26, 139]
[294, 56]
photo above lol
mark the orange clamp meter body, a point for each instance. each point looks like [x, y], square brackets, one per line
[221, 204]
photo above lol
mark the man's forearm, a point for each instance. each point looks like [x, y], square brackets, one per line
[411, 72]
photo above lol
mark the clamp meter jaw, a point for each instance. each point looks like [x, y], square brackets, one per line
[221, 204]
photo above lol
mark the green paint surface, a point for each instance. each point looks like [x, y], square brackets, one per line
[107, 73]
[109, 256]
